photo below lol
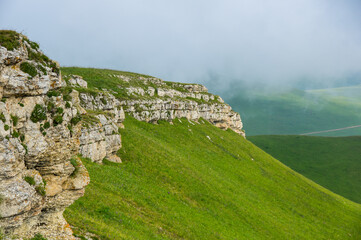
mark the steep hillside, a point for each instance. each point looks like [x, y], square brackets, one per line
[193, 181]
[334, 163]
[298, 111]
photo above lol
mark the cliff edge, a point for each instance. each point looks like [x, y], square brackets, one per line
[45, 121]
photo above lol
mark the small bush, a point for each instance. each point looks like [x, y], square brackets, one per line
[76, 119]
[46, 125]
[28, 68]
[30, 180]
[41, 190]
[22, 137]
[38, 114]
[3, 100]
[21, 104]
[44, 133]
[67, 105]
[15, 120]
[59, 110]
[2, 117]
[15, 134]
[53, 93]
[58, 119]
[67, 98]
[6, 127]
[50, 106]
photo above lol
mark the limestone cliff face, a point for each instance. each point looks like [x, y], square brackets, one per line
[158, 100]
[37, 140]
[46, 121]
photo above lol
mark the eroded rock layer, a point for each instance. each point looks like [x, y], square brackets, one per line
[38, 179]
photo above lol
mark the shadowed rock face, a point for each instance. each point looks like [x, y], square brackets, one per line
[36, 177]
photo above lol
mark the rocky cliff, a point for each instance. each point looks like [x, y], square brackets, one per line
[45, 121]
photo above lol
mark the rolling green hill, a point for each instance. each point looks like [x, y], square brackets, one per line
[195, 181]
[334, 163]
[298, 111]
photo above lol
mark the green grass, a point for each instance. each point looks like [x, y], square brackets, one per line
[28, 68]
[100, 79]
[297, 111]
[9, 39]
[174, 183]
[334, 163]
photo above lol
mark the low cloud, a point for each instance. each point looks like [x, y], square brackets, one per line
[275, 43]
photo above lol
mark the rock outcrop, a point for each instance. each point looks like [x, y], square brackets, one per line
[37, 143]
[159, 100]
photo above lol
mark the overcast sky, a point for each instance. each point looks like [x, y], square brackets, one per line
[268, 41]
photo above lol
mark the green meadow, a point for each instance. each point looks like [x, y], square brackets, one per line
[195, 181]
[333, 162]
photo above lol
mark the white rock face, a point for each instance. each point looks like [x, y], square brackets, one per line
[102, 140]
[14, 82]
[34, 152]
[191, 101]
[77, 81]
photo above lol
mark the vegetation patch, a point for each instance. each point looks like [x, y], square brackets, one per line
[9, 39]
[46, 125]
[38, 114]
[42, 69]
[59, 110]
[30, 180]
[41, 190]
[2, 117]
[14, 119]
[38, 237]
[28, 68]
[75, 120]
[15, 134]
[32, 44]
[58, 119]
[25, 147]
[53, 93]
[76, 166]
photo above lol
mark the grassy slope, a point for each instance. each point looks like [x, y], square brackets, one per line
[297, 112]
[334, 163]
[175, 183]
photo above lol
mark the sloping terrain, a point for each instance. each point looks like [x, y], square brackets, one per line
[194, 181]
[298, 111]
[334, 163]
